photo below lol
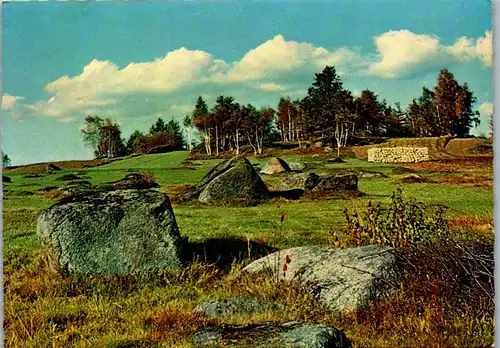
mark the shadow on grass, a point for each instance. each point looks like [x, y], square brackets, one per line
[222, 252]
[293, 194]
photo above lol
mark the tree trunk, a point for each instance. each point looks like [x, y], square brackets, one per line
[237, 143]
[216, 141]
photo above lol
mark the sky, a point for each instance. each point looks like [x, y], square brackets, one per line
[137, 61]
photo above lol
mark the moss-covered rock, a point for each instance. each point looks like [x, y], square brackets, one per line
[230, 182]
[111, 233]
[337, 182]
[238, 184]
[303, 181]
[265, 335]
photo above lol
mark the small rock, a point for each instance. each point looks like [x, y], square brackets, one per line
[236, 305]
[52, 168]
[413, 178]
[368, 174]
[275, 166]
[67, 177]
[335, 160]
[267, 335]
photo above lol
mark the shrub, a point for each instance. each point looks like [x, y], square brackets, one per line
[402, 223]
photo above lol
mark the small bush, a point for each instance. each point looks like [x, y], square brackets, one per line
[402, 223]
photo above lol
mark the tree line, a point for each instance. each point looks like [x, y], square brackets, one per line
[328, 111]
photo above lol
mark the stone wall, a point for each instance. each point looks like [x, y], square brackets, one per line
[398, 154]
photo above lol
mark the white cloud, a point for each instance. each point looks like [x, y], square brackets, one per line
[402, 53]
[485, 108]
[9, 101]
[485, 111]
[278, 56]
[482, 48]
[169, 86]
[271, 87]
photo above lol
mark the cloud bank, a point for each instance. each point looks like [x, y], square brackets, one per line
[170, 85]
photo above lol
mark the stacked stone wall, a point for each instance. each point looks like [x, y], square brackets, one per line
[398, 154]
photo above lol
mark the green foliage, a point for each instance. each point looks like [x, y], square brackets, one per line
[103, 136]
[131, 140]
[448, 109]
[6, 160]
[402, 223]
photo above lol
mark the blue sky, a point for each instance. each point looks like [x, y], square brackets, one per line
[137, 61]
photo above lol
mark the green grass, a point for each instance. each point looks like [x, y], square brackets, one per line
[42, 309]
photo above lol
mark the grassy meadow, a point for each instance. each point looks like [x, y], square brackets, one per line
[46, 310]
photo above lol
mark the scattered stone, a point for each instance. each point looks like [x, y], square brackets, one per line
[232, 181]
[237, 305]
[266, 335]
[29, 176]
[344, 279]
[67, 177]
[76, 187]
[111, 233]
[335, 160]
[131, 181]
[401, 170]
[318, 144]
[275, 166]
[6, 179]
[52, 168]
[328, 149]
[304, 181]
[48, 188]
[297, 166]
[365, 174]
[337, 182]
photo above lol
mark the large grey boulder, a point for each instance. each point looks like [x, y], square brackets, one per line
[337, 182]
[246, 305]
[221, 168]
[265, 335]
[275, 166]
[303, 181]
[231, 182]
[345, 279]
[111, 233]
